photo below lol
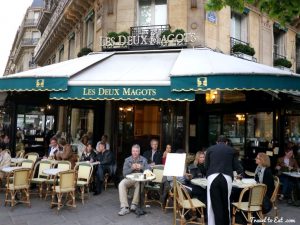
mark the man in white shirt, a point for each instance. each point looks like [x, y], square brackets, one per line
[54, 147]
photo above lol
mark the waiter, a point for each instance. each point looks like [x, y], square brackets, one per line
[219, 163]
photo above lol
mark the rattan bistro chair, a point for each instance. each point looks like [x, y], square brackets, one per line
[84, 173]
[155, 187]
[185, 205]
[20, 154]
[41, 178]
[64, 166]
[275, 195]
[66, 186]
[19, 183]
[253, 205]
[32, 156]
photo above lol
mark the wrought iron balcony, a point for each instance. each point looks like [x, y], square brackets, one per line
[29, 41]
[148, 35]
[234, 41]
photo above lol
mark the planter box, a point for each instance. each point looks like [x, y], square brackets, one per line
[283, 68]
[244, 56]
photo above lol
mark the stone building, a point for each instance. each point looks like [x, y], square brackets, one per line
[21, 56]
[248, 117]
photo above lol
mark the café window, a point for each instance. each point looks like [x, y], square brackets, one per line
[152, 12]
[227, 97]
[292, 128]
[260, 127]
[82, 122]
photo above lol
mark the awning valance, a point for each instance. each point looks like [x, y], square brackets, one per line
[34, 84]
[236, 82]
[204, 69]
[142, 93]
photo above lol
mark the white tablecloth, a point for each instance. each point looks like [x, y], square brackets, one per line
[17, 160]
[292, 174]
[10, 169]
[247, 182]
[53, 171]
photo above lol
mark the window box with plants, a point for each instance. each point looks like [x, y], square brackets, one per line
[117, 40]
[169, 38]
[243, 51]
[84, 51]
[283, 63]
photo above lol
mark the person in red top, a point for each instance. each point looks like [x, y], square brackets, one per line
[168, 150]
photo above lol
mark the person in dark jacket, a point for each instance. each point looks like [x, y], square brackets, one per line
[263, 174]
[219, 163]
[105, 158]
[153, 156]
[88, 154]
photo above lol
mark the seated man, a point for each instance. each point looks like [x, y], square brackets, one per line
[88, 154]
[153, 156]
[133, 164]
[105, 157]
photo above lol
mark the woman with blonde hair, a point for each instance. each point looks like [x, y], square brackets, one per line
[197, 168]
[263, 174]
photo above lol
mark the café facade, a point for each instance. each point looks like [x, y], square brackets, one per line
[182, 97]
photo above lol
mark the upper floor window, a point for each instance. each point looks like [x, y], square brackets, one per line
[152, 12]
[61, 54]
[71, 52]
[279, 43]
[239, 28]
[89, 24]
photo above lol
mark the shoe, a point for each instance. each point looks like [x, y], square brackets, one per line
[133, 207]
[281, 197]
[124, 211]
[97, 193]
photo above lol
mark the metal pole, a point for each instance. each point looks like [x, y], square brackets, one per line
[174, 199]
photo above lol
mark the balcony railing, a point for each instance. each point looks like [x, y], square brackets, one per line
[29, 41]
[148, 35]
[30, 22]
[234, 41]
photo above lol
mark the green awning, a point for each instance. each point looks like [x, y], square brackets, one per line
[33, 83]
[142, 93]
[236, 82]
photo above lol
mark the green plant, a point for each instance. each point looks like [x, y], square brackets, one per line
[282, 62]
[114, 35]
[123, 33]
[178, 31]
[242, 48]
[84, 51]
[166, 34]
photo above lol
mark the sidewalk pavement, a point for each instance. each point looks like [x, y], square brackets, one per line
[103, 209]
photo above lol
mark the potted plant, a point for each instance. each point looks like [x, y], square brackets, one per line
[179, 36]
[282, 62]
[113, 35]
[242, 48]
[84, 51]
[166, 37]
[122, 41]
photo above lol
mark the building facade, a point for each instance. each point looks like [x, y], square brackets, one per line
[68, 27]
[21, 56]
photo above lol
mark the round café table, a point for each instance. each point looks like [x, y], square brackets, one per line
[139, 177]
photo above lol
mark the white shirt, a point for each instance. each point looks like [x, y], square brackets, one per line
[53, 149]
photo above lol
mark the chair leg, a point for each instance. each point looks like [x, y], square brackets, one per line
[73, 198]
[82, 194]
[41, 190]
[59, 204]
[249, 222]
[13, 197]
[233, 215]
